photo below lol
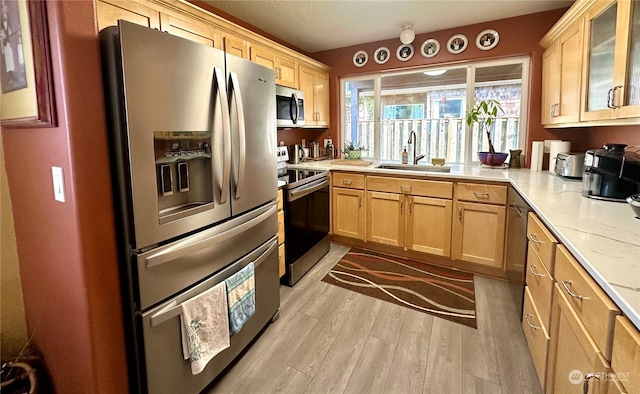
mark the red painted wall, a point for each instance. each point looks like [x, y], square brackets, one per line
[67, 251]
[518, 36]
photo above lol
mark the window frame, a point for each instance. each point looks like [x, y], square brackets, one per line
[469, 99]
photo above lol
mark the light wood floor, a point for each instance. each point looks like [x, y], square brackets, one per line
[332, 340]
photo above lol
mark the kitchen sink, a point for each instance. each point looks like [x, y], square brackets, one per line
[414, 167]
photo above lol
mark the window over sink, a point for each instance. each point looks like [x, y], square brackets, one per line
[380, 111]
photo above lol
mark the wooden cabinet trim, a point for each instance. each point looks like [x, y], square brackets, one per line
[590, 303]
[541, 241]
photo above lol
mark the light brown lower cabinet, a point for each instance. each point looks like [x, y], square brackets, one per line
[421, 224]
[348, 212]
[536, 335]
[478, 233]
[385, 218]
[574, 364]
[429, 225]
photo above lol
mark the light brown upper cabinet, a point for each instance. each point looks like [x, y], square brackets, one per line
[191, 30]
[561, 76]
[612, 58]
[286, 69]
[315, 85]
[236, 46]
[109, 12]
[592, 60]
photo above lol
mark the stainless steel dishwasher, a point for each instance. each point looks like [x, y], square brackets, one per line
[516, 256]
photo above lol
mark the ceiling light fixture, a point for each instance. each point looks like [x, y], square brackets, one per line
[435, 73]
[407, 34]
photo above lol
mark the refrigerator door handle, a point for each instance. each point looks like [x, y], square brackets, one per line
[173, 309]
[186, 247]
[218, 76]
[237, 97]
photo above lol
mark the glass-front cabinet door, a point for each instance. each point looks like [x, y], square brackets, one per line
[628, 97]
[612, 59]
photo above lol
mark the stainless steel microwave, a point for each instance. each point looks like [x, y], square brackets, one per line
[290, 107]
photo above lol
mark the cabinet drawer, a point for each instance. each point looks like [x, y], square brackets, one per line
[536, 336]
[493, 194]
[625, 359]
[540, 284]
[541, 240]
[349, 181]
[281, 268]
[280, 200]
[594, 308]
[280, 227]
[437, 189]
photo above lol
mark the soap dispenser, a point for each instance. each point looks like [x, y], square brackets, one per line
[405, 156]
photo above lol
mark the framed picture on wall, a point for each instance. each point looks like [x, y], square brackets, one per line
[404, 52]
[25, 68]
[381, 55]
[487, 39]
[360, 58]
[457, 44]
[430, 48]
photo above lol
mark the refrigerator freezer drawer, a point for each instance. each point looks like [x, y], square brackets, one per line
[166, 369]
[168, 270]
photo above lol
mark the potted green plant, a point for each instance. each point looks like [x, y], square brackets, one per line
[352, 151]
[486, 111]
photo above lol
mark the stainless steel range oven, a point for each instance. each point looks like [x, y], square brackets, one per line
[306, 217]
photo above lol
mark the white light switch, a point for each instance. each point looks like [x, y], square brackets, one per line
[58, 183]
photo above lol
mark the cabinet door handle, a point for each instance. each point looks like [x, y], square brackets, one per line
[359, 201]
[460, 214]
[551, 110]
[585, 385]
[401, 205]
[410, 205]
[566, 284]
[347, 182]
[610, 98]
[535, 273]
[526, 318]
[517, 209]
[481, 194]
[534, 238]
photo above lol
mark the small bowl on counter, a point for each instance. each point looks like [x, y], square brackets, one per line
[437, 161]
[634, 201]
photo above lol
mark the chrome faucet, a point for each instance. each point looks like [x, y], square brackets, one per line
[412, 140]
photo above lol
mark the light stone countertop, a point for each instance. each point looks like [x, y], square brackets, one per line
[603, 236]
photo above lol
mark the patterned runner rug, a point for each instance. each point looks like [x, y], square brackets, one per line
[435, 290]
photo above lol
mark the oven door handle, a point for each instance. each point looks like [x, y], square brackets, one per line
[185, 248]
[305, 190]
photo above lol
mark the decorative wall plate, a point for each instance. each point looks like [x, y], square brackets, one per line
[430, 48]
[360, 58]
[381, 55]
[487, 39]
[404, 52]
[457, 44]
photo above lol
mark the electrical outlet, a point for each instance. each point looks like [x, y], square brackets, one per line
[328, 141]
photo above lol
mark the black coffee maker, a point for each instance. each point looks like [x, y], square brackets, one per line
[611, 173]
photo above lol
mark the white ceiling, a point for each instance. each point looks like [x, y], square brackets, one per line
[318, 25]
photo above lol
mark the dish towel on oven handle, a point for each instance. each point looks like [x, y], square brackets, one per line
[241, 297]
[205, 326]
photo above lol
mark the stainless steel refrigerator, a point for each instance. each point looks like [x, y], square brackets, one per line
[192, 133]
